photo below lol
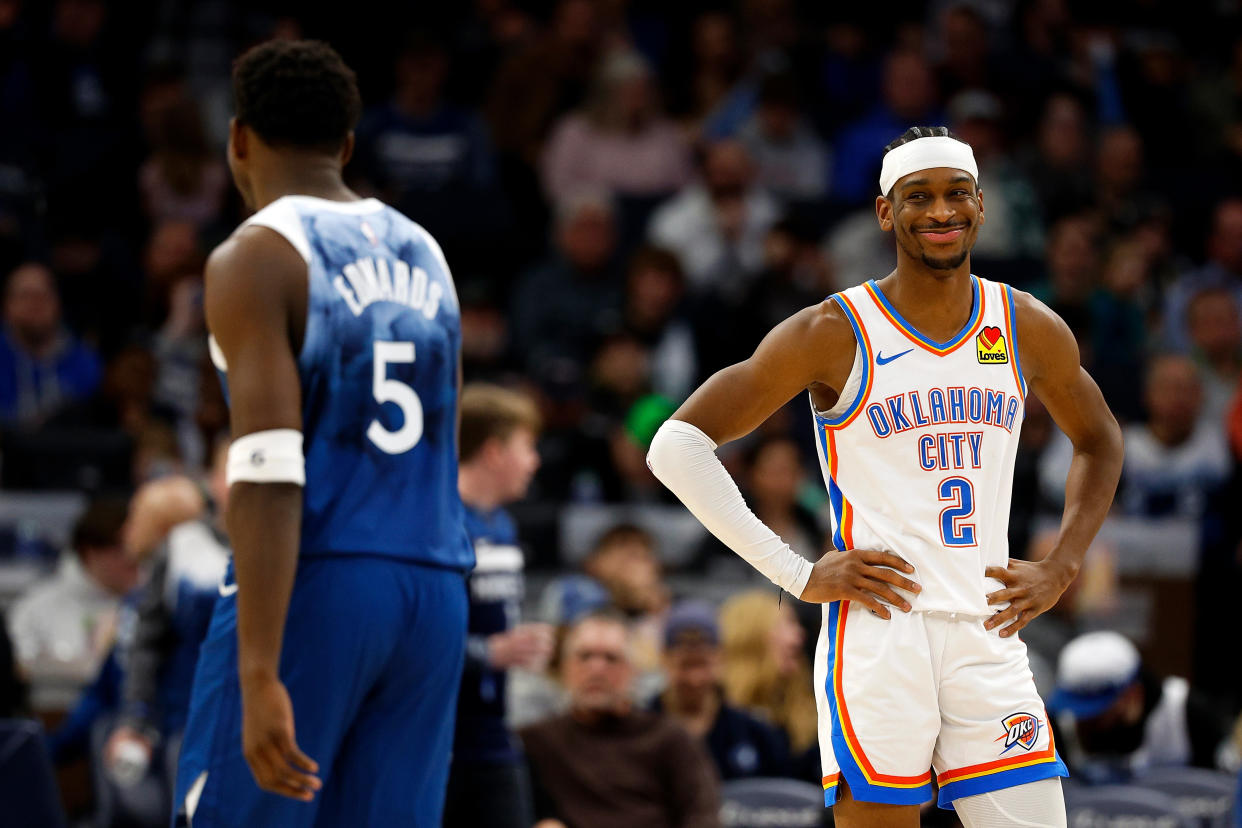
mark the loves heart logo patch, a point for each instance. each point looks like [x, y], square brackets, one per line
[990, 346]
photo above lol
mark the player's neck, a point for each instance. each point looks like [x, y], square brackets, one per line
[478, 488]
[313, 175]
[937, 302]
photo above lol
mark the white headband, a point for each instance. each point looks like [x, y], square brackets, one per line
[925, 154]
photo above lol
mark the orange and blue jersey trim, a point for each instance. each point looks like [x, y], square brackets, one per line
[1001, 773]
[842, 511]
[826, 427]
[927, 344]
[866, 783]
[864, 389]
[1011, 329]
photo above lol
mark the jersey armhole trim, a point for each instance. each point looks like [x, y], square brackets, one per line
[282, 219]
[860, 335]
[1011, 326]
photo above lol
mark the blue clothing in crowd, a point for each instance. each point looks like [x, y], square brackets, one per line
[32, 389]
[496, 590]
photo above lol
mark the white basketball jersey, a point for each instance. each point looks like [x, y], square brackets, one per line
[918, 453]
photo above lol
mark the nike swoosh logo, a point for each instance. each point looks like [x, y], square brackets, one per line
[880, 359]
[226, 589]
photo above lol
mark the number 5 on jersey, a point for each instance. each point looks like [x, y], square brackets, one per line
[961, 493]
[395, 391]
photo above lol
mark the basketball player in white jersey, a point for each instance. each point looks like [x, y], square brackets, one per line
[917, 384]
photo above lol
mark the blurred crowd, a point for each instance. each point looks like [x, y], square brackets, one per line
[631, 194]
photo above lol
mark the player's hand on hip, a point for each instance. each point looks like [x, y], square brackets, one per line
[1031, 589]
[268, 743]
[865, 576]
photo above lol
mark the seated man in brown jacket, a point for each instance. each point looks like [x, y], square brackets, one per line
[605, 764]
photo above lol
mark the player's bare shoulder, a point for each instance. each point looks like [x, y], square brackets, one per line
[817, 342]
[1046, 343]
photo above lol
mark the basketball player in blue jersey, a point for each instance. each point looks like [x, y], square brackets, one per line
[326, 685]
[917, 382]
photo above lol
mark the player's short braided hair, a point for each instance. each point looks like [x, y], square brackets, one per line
[917, 132]
[296, 93]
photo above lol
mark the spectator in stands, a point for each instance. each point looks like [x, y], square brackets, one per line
[543, 79]
[1222, 270]
[607, 764]
[1120, 177]
[766, 671]
[561, 306]
[1115, 719]
[176, 522]
[795, 275]
[791, 160]
[43, 367]
[716, 226]
[1119, 311]
[1215, 329]
[654, 289]
[740, 744]
[619, 141]
[620, 374]
[624, 561]
[1015, 226]
[964, 49]
[1058, 164]
[430, 158]
[908, 96]
[124, 401]
[702, 74]
[488, 782]
[63, 627]
[172, 254]
[180, 346]
[416, 144]
[1073, 272]
[1174, 459]
[183, 179]
[533, 696]
[136, 713]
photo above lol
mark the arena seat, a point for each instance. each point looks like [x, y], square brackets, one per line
[1206, 796]
[1123, 806]
[772, 803]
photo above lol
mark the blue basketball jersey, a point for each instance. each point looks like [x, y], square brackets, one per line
[378, 370]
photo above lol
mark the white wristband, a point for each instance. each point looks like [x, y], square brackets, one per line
[272, 456]
[684, 458]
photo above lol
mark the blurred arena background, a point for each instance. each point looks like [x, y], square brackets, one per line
[630, 195]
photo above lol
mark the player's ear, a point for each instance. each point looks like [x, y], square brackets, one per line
[979, 198]
[884, 213]
[347, 149]
[239, 146]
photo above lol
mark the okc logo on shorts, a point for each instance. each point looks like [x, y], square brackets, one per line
[990, 346]
[1021, 730]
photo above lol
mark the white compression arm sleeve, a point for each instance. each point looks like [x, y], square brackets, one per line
[683, 458]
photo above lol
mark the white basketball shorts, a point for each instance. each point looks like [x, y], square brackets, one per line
[923, 691]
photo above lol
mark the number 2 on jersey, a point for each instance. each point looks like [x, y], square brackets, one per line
[398, 392]
[961, 493]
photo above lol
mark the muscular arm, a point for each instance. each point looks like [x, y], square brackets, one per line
[249, 282]
[256, 284]
[1050, 361]
[813, 349]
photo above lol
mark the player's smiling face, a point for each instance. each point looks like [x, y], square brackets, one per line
[935, 215]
